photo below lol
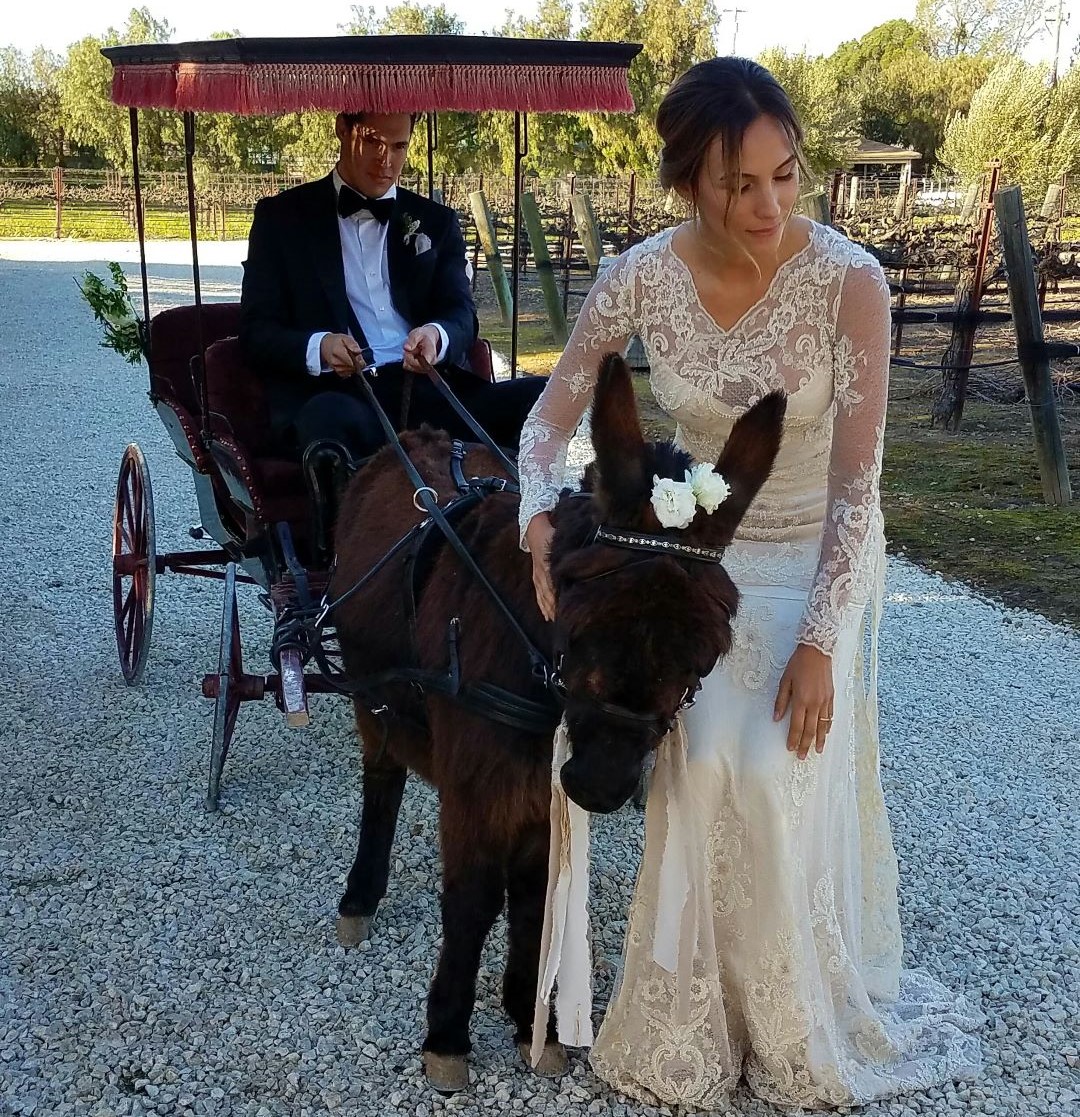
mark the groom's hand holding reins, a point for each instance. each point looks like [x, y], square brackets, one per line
[806, 689]
[339, 353]
[420, 349]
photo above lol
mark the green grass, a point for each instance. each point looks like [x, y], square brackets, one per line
[537, 351]
[970, 505]
[83, 221]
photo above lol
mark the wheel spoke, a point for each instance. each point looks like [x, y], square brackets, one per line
[137, 502]
[129, 515]
[128, 611]
[137, 633]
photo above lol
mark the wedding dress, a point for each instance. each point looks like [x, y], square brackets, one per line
[764, 939]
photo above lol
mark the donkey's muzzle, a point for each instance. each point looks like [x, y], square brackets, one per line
[598, 795]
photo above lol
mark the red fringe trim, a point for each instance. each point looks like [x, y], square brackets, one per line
[270, 88]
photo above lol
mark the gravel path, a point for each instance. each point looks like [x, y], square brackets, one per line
[156, 959]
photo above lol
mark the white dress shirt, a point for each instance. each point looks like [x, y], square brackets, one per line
[367, 287]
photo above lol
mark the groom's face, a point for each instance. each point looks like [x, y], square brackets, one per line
[373, 150]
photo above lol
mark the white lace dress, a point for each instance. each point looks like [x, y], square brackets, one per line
[764, 939]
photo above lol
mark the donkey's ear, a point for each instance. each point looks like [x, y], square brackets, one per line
[745, 463]
[622, 484]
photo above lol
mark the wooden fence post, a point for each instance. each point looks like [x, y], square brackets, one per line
[58, 189]
[816, 206]
[485, 227]
[1050, 203]
[1024, 300]
[948, 408]
[587, 231]
[530, 211]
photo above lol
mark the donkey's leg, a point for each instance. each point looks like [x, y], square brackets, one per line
[472, 897]
[526, 888]
[384, 783]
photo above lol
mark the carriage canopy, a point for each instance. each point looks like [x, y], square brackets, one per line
[374, 73]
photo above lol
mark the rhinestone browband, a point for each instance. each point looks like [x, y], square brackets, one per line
[636, 542]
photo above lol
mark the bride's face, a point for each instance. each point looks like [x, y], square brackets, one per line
[754, 211]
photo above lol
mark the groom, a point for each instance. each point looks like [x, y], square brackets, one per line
[354, 265]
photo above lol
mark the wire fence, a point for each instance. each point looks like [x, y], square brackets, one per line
[100, 205]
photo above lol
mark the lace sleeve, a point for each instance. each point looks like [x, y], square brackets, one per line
[853, 533]
[606, 323]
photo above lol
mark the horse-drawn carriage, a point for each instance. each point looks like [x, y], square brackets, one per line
[252, 498]
[451, 668]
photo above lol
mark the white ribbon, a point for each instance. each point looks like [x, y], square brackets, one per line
[669, 786]
[565, 952]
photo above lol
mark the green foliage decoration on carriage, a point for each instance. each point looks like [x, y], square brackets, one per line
[125, 332]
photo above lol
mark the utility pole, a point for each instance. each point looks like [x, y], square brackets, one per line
[735, 13]
[1059, 20]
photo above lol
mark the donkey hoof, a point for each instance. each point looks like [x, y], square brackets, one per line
[352, 930]
[553, 1061]
[446, 1073]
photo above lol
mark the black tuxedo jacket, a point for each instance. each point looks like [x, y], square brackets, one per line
[294, 285]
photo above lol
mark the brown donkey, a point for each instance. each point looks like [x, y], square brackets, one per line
[638, 625]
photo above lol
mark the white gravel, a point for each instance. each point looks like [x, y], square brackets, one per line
[156, 959]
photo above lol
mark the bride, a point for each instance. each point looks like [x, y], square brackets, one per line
[764, 939]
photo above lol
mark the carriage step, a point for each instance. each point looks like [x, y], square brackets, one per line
[293, 690]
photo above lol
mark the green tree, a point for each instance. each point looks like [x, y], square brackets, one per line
[674, 35]
[18, 145]
[827, 108]
[87, 113]
[879, 47]
[30, 129]
[558, 142]
[972, 26]
[1017, 118]
[906, 95]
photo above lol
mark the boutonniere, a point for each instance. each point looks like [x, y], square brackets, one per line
[421, 242]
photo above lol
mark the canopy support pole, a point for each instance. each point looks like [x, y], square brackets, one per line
[199, 374]
[432, 144]
[521, 149]
[133, 120]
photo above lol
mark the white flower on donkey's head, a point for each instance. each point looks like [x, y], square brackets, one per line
[673, 502]
[710, 488]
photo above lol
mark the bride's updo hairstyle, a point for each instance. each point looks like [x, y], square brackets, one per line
[718, 99]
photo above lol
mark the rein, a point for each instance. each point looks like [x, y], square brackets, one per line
[305, 629]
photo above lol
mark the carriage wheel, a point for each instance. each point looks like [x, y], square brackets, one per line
[134, 563]
[230, 678]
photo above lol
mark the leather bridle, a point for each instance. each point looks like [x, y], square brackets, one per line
[654, 547]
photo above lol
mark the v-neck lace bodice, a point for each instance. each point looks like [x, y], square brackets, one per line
[820, 333]
[791, 261]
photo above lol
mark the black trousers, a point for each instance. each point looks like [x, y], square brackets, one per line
[343, 413]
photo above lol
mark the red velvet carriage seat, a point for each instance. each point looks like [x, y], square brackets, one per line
[249, 466]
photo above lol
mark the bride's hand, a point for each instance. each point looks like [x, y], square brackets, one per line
[806, 689]
[538, 536]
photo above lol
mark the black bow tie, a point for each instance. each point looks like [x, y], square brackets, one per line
[350, 201]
